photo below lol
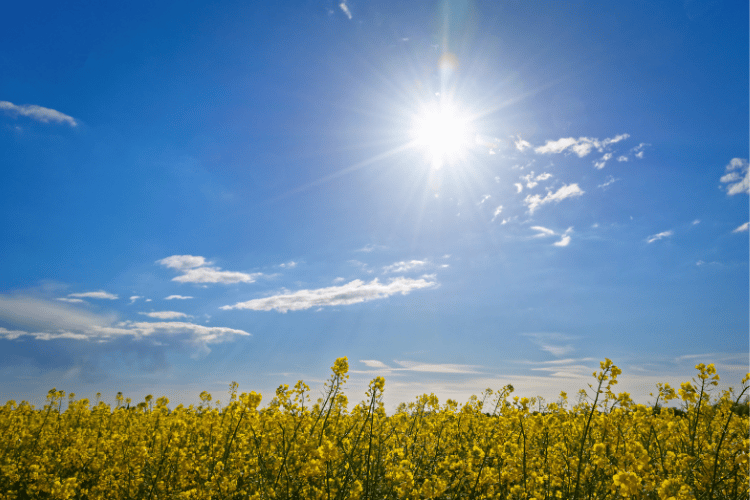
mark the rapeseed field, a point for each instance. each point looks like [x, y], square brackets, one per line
[495, 446]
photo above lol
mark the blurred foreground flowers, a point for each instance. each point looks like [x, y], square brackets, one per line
[494, 447]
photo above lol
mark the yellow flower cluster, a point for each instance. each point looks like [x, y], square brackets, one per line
[604, 447]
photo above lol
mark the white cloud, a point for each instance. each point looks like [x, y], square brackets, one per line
[351, 293]
[610, 180]
[581, 146]
[567, 191]
[44, 115]
[484, 198]
[165, 314]
[46, 320]
[182, 262]
[521, 144]
[403, 266]
[414, 366]
[557, 146]
[373, 363]
[551, 343]
[72, 301]
[339, 280]
[519, 187]
[622, 158]
[194, 269]
[638, 150]
[288, 265]
[101, 294]
[345, 9]
[371, 247]
[659, 236]
[532, 180]
[133, 298]
[741, 228]
[178, 297]
[564, 241]
[542, 231]
[215, 275]
[737, 177]
[497, 212]
[603, 161]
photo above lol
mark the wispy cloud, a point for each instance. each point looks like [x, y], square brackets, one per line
[165, 314]
[659, 236]
[178, 297]
[610, 180]
[72, 301]
[415, 366]
[47, 320]
[737, 177]
[564, 241]
[44, 115]
[741, 228]
[351, 293]
[581, 146]
[497, 212]
[521, 144]
[552, 343]
[602, 161]
[519, 187]
[101, 294]
[195, 269]
[288, 265]
[567, 191]
[532, 180]
[374, 363]
[638, 150]
[371, 247]
[345, 9]
[543, 232]
[404, 266]
[133, 298]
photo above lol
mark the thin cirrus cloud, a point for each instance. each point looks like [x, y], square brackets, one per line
[533, 180]
[38, 113]
[659, 236]
[404, 266]
[554, 343]
[178, 297]
[195, 269]
[543, 232]
[351, 293]
[43, 319]
[345, 9]
[737, 177]
[581, 146]
[602, 161]
[416, 366]
[742, 228]
[567, 191]
[165, 314]
[101, 294]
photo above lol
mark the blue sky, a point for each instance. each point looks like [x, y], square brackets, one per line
[453, 194]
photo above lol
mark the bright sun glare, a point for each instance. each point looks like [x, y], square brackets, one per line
[443, 132]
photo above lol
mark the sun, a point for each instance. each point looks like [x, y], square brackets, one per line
[443, 132]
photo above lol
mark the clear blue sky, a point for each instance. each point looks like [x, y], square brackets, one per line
[454, 194]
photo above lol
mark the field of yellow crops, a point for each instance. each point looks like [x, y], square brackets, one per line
[494, 446]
